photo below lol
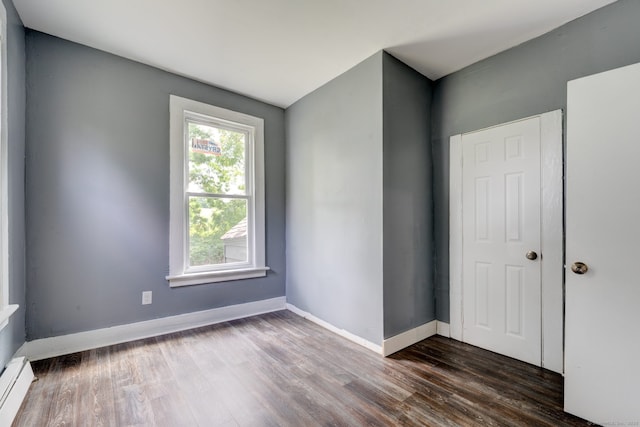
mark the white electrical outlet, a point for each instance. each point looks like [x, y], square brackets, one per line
[146, 297]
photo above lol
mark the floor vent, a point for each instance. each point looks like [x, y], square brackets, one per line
[14, 384]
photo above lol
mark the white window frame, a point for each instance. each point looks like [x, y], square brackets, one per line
[180, 274]
[6, 309]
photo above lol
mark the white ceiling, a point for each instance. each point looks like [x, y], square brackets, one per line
[280, 50]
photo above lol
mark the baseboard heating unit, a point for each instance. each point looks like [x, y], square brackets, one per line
[14, 384]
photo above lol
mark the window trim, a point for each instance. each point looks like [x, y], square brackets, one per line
[179, 273]
[6, 309]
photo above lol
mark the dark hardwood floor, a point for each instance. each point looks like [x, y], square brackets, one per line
[279, 369]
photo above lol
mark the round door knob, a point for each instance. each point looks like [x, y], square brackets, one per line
[532, 255]
[579, 267]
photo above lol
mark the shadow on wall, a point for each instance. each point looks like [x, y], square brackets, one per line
[458, 47]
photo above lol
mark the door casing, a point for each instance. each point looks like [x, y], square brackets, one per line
[551, 205]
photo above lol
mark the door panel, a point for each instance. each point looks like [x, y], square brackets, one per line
[602, 347]
[501, 222]
[515, 301]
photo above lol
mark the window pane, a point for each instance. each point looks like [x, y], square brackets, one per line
[217, 230]
[216, 160]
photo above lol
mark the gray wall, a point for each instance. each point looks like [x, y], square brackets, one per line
[334, 201]
[407, 198]
[97, 181]
[13, 336]
[526, 80]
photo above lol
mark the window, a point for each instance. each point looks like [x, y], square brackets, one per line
[5, 309]
[217, 194]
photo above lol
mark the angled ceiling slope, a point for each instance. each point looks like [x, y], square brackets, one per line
[280, 50]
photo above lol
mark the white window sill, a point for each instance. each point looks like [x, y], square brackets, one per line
[5, 313]
[189, 279]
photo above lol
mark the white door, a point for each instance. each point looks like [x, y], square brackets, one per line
[501, 287]
[602, 348]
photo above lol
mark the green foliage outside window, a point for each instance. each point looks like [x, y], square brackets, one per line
[211, 217]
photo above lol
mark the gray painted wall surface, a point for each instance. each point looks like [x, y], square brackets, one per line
[407, 198]
[526, 80]
[13, 335]
[334, 201]
[98, 191]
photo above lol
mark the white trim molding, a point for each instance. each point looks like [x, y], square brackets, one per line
[4, 175]
[455, 237]
[81, 341]
[407, 338]
[443, 329]
[552, 235]
[551, 167]
[343, 333]
[189, 279]
[5, 313]
[183, 111]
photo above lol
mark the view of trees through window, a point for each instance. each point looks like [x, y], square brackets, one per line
[217, 195]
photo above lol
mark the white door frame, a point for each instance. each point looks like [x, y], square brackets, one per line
[551, 238]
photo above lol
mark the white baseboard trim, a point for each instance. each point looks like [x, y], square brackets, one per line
[443, 329]
[345, 334]
[407, 338]
[81, 341]
[14, 384]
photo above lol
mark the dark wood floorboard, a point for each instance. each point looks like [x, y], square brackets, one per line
[279, 369]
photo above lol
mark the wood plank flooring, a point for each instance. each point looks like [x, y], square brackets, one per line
[279, 369]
